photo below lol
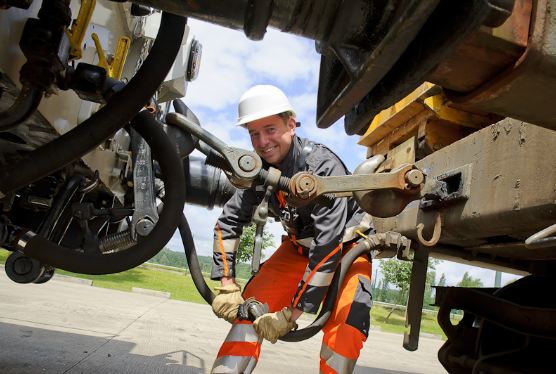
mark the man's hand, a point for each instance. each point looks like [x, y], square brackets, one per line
[226, 303]
[272, 326]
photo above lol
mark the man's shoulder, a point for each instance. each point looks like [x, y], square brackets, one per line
[322, 156]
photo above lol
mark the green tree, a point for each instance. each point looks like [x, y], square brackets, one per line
[442, 281]
[468, 281]
[398, 273]
[247, 239]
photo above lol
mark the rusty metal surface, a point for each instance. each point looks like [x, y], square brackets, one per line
[485, 53]
[526, 89]
[509, 199]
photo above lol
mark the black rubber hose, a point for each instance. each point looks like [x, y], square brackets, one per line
[193, 261]
[331, 296]
[23, 107]
[95, 263]
[120, 109]
[329, 302]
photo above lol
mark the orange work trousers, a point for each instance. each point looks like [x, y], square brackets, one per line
[276, 284]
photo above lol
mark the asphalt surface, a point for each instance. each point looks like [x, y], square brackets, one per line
[64, 327]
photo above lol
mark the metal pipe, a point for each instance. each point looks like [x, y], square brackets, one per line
[49, 223]
[541, 239]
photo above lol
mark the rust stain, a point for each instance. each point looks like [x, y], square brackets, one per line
[192, 4]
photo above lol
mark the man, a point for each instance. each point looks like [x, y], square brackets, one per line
[296, 277]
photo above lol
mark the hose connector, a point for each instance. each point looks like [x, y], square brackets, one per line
[22, 239]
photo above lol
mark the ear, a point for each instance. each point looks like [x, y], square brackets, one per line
[291, 126]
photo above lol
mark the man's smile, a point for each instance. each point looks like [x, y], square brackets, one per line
[269, 149]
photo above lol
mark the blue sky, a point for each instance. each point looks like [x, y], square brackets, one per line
[231, 64]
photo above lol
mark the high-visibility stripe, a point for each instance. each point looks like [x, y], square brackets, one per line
[299, 249]
[245, 349]
[320, 279]
[222, 251]
[230, 245]
[314, 271]
[334, 363]
[242, 332]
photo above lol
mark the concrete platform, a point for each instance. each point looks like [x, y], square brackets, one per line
[70, 328]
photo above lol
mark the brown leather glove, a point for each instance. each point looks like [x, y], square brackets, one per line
[226, 303]
[272, 326]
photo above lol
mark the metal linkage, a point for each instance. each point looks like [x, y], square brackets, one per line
[261, 215]
[245, 166]
[145, 215]
[415, 301]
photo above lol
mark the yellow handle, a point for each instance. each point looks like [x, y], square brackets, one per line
[119, 58]
[79, 27]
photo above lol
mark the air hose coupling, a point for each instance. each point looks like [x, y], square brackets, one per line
[22, 239]
[251, 309]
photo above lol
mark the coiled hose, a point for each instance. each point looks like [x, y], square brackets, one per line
[113, 116]
[327, 307]
[50, 253]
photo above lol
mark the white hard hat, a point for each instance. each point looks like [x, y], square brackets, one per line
[260, 102]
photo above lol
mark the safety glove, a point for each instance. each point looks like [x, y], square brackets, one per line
[272, 326]
[227, 302]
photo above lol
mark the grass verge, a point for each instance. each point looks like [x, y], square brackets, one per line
[181, 287]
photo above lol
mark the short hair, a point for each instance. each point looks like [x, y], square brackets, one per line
[285, 117]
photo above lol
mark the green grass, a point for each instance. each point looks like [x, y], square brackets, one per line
[181, 287]
[396, 322]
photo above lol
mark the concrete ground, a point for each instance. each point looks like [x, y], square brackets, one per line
[64, 327]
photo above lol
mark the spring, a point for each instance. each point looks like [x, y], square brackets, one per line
[119, 240]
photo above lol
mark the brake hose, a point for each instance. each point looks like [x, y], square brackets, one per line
[112, 117]
[331, 296]
[39, 248]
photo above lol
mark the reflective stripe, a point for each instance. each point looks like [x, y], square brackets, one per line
[246, 349]
[306, 242]
[233, 365]
[229, 245]
[364, 225]
[314, 271]
[337, 362]
[243, 332]
[222, 251]
[319, 279]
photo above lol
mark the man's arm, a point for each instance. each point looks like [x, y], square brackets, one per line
[227, 280]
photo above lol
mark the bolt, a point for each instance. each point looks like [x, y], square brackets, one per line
[414, 178]
[247, 163]
[307, 184]
[144, 227]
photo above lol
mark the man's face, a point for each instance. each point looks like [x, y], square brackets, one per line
[271, 138]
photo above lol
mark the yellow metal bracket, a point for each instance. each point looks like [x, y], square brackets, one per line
[79, 27]
[458, 117]
[115, 67]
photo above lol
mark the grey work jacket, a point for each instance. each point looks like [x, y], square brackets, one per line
[316, 231]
